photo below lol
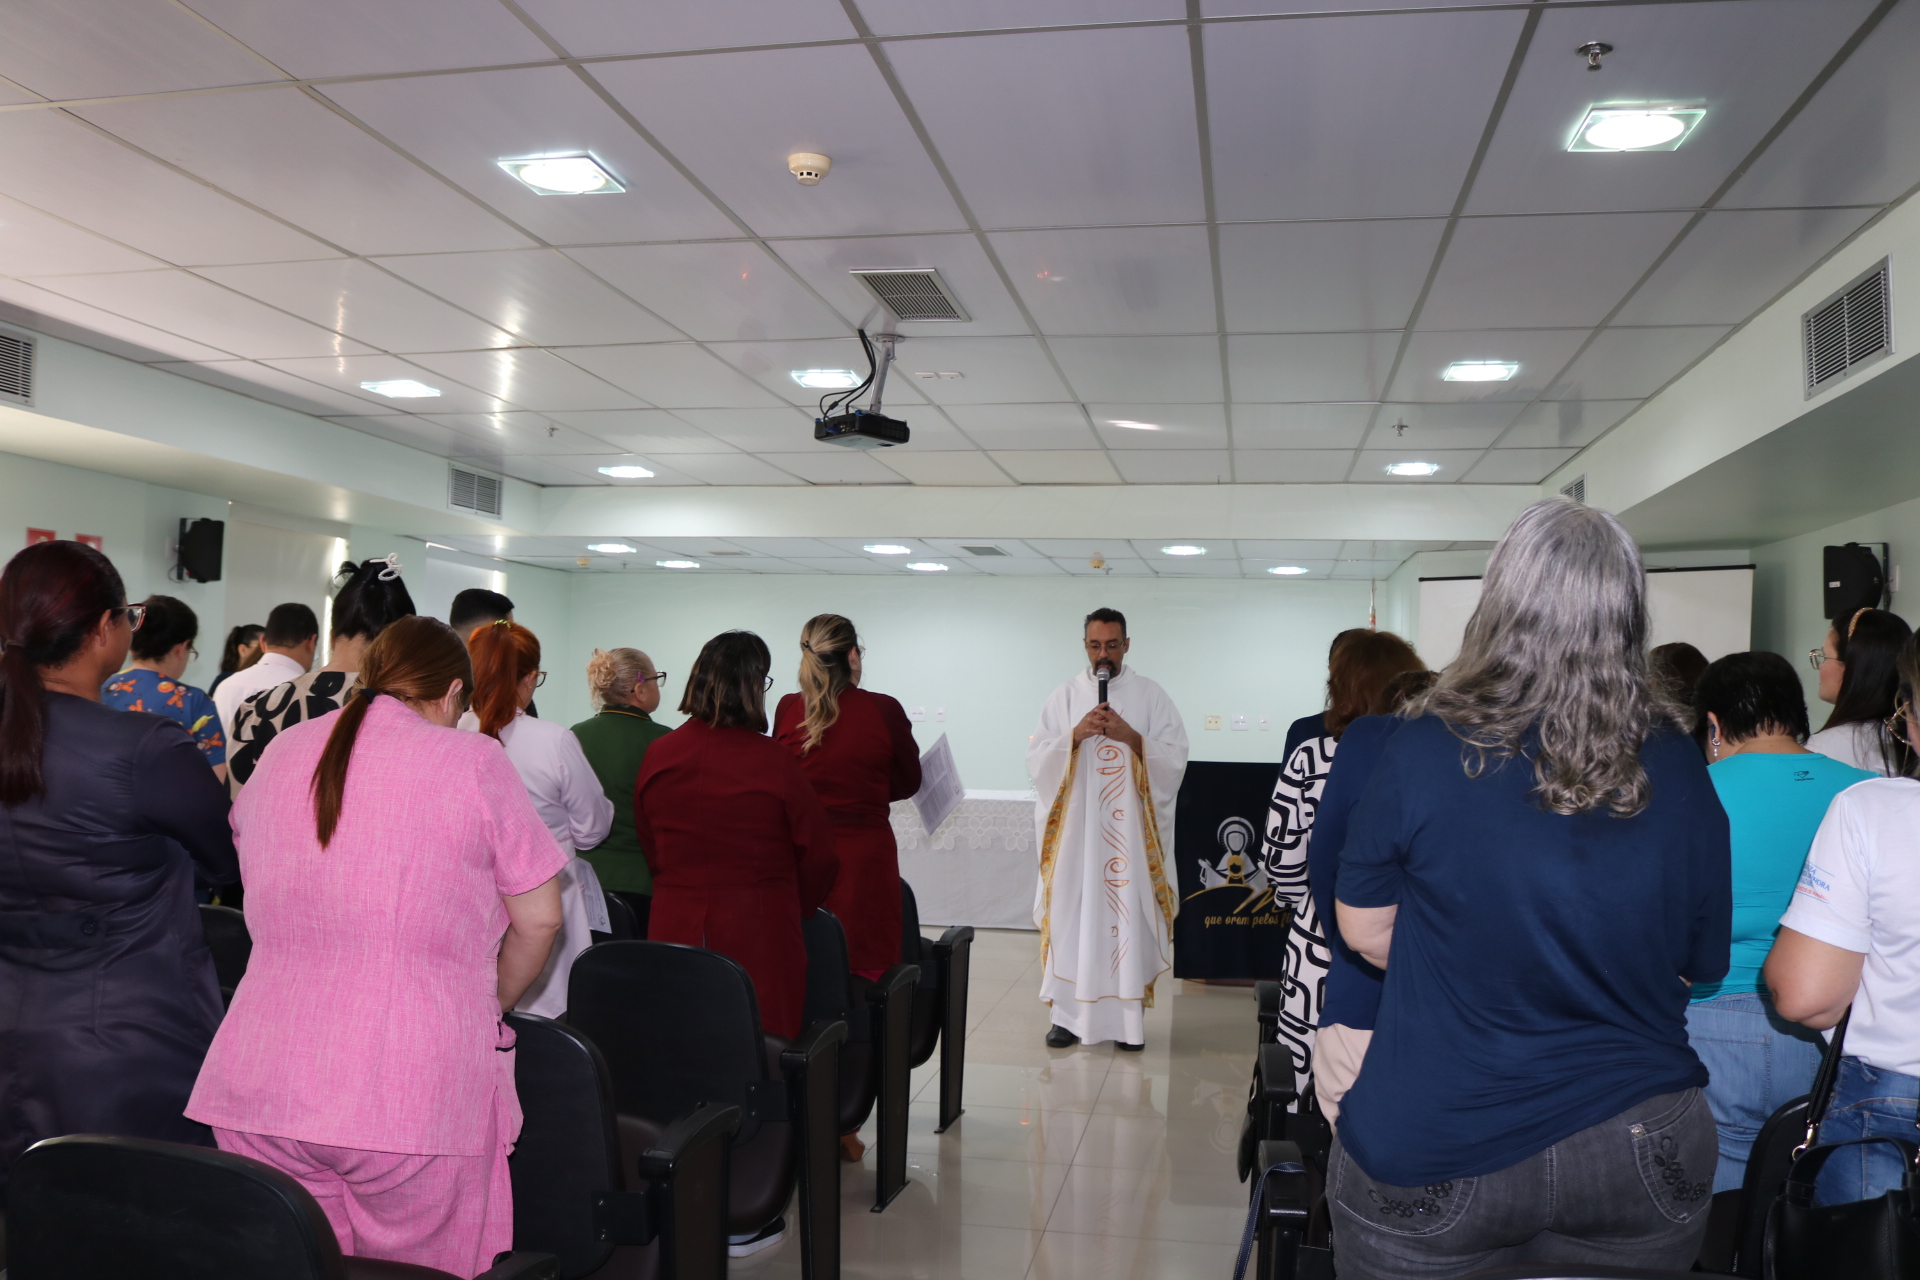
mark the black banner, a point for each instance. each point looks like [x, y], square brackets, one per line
[1228, 926]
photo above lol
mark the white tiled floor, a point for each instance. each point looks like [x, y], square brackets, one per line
[1082, 1162]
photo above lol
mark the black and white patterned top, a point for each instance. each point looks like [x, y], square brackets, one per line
[1283, 855]
[266, 713]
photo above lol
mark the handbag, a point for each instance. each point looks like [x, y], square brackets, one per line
[1876, 1239]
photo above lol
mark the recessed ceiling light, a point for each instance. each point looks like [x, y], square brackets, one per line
[1133, 426]
[400, 388]
[1635, 127]
[1412, 468]
[826, 379]
[677, 564]
[1183, 549]
[625, 471]
[887, 549]
[1479, 371]
[1287, 570]
[569, 175]
[610, 548]
[927, 566]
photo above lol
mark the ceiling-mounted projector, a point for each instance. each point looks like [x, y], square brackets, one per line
[866, 428]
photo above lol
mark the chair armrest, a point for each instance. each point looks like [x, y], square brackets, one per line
[959, 935]
[685, 1139]
[802, 1052]
[522, 1265]
[1287, 1198]
[899, 978]
[1277, 1085]
[1266, 995]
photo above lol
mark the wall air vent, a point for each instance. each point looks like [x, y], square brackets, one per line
[471, 491]
[1851, 329]
[16, 368]
[913, 293]
[1575, 488]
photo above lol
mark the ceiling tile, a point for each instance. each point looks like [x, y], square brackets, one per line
[1540, 353]
[816, 547]
[1345, 117]
[1558, 272]
[664, 473]
[1112, 101]
[1025, 426]
[1317, 366]
[1747, 73]
[1177, 426]
[33, 307]
[403, 428]
[732, 468]
[1238, 8]
[1172, 466]
[204, 312]
[1287, 549]
[530, 379]
[592, 27]
[33, 243]
[1038, 567]
[1566, 423]
[541, 471]
[346, 373]
[993, 370]
[1013, 548]
[1732, 264]
[59, 164]
[1292, 277]
[834, 464]
[947, 468]
[289, 155]
[1082, 548]
[1291, 466]
[1517, 466]
[1113, 279]
[92, 48]
[1363, 570]
[1370, 466]
[1625, 363]
[755, 430]
[920, 17]
[539, 295]
[521, 433]
[773, 363]
[675, 375]
[362, 302]
[1113, 568]
[641, 430]
[1373, 549]
[271, 385]
[715, 292]
[367, 37]
[1058, 466]
[1300, 426]
[462, 125]
[843, 564]
[1183, 370]
[735, 118]
[960, 260]
[1473, 425]
[1260, 569]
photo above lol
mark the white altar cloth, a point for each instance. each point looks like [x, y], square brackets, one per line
[980, 868]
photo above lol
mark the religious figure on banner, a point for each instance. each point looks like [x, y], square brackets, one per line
[1107, 774]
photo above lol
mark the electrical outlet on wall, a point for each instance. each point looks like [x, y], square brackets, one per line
[940, 715]
[1213, 722]
[1239, 724]
[1266, 724]
[918, 715]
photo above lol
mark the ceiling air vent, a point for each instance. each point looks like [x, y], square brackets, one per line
[913, 293]
[1575, 488]
[471, 491]
[16, 368]
[981, 551]
[1854, 327]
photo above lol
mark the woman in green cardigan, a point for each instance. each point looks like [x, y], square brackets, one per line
[626, 689]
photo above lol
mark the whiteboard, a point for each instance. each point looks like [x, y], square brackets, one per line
[1710, 609]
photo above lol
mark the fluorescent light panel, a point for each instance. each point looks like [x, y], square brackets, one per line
[1479, 371]
[611, 548]
[578, 174]
[626, 471]
[887, 549]
[1287, 570]
[1412, 468]
[400, 388]
[677, 564]
[1183, 549]
[927, 566]
[826, 379]
[1635, 126]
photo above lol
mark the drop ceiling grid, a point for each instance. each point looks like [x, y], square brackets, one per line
[1190, 34]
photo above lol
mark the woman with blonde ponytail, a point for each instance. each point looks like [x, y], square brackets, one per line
[857, 750]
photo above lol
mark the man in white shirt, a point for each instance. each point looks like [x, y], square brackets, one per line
[286, 651]
[1107, 773]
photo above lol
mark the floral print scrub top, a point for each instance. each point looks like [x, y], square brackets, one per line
[142, 689]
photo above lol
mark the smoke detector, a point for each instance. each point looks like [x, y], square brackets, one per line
[809, 167]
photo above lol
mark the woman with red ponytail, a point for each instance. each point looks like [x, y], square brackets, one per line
[107, 994]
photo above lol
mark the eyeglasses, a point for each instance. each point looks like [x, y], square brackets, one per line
[1111, 646]
[661, 676]
[1896, 722]
[136, 614]
[539, 678]
[768, 688]
[1820, 658]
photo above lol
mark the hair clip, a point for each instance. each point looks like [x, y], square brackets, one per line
[501, 622]
[806, 646]
[1855, 620]
[392, 561]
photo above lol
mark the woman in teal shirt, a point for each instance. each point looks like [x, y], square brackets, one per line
[1775, 793]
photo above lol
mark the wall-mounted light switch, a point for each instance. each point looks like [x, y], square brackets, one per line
[1239, 724]
[1266, 724]
[917, 715]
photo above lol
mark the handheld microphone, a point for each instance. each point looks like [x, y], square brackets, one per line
[1102, 672]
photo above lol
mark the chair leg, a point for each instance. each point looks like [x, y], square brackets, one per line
[954, 955]
[892, 1001]
[812, 1069]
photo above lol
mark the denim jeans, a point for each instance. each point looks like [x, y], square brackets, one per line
[1758, 1061]
[1867, 1103]
[1632, 1191]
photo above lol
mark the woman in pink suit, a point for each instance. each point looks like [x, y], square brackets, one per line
[400, 893]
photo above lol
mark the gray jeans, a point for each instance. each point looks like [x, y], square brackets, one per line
[1632, 1191]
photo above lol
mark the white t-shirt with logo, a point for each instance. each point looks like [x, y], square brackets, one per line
[1860, 891]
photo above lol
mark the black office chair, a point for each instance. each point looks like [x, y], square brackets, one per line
[1578, 1271]
[109, 1208]
[874, 1066]
[939, 1001]
[231, 944]
[680, 1027]
[621, 925]
[1285, 1204]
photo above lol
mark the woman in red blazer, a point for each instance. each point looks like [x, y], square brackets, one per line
[741, 848]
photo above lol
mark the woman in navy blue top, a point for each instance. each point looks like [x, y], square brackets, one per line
[1540, 865]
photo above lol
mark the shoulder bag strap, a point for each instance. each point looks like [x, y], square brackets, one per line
[1824, 1081]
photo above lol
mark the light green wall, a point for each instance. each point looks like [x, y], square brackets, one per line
[990, 650]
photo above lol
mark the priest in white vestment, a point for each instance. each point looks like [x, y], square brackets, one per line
[1107, 776]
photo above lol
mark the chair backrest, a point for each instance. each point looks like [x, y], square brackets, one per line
[135, 1209]
[228, 939]
[914, 949]
[927, 988]
[679, 1026]
[830, 979]
[621, 921]
[569, 1150]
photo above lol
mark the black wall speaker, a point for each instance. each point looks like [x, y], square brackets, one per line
[201, 542]
[1855, 577]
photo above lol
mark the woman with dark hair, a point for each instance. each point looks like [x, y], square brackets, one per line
[562, 785]
[741, 848]
[1363, 664]
[241, 650]
[107, 994]
[401, 895]
[1529, 1095]
[1860, 676]
[162, 648]
[1775, 792]
[372, 596]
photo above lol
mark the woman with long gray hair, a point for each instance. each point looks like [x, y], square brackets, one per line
[1541, 867]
